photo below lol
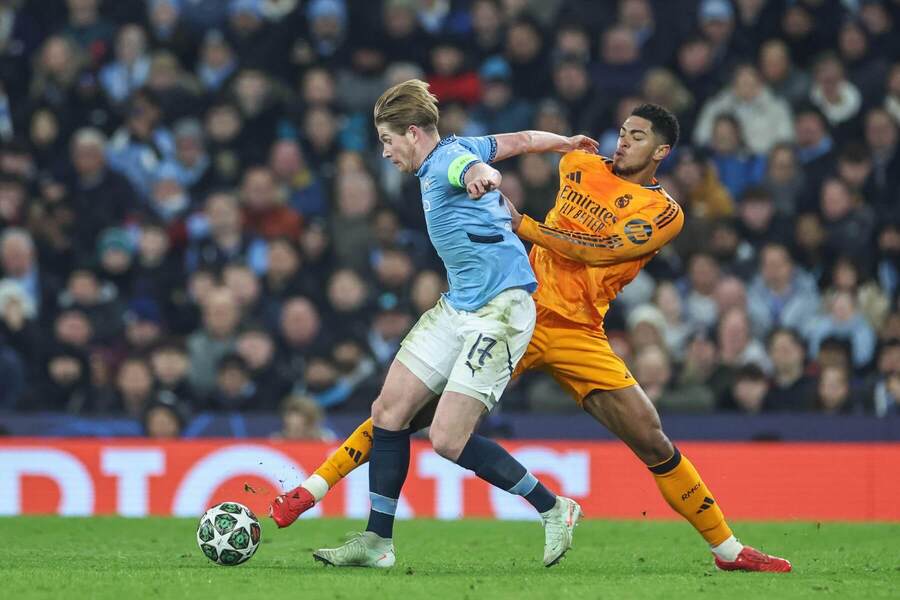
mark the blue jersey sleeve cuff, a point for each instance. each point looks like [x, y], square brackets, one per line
[462, 174]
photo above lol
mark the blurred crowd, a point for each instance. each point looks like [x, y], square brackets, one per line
[195, 215]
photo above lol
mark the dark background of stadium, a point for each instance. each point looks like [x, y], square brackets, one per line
[196, 219]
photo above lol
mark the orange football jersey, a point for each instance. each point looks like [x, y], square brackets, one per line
[601, 232]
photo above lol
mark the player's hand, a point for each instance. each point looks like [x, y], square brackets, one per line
[582, 142]
[483, 182]
[513, 212]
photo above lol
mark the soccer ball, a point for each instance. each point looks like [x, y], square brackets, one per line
[228, 534]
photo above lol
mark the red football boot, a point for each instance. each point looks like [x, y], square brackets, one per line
[751, 559]
[286, 508]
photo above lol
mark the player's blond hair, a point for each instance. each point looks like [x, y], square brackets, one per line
[405, 104]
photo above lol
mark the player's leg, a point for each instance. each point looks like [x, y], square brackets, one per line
[352, 453]
[631, 416]
[496, 338]
[402, 395]
[417, 374]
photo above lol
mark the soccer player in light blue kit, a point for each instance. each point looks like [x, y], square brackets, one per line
[464, 349]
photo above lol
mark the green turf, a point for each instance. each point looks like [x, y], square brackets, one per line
[99, 558]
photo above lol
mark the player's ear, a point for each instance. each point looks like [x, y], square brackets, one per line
[661, 151]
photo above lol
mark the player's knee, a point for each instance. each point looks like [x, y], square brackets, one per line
[656, 447]
[387, 415]
[445, 443]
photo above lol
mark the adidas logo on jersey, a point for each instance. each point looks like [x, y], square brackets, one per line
[574, 176]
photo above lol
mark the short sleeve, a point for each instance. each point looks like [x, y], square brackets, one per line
[485, 147]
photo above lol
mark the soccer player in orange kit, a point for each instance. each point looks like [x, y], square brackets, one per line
[610, 218]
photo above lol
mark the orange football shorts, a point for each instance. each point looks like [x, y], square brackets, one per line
[578, 356]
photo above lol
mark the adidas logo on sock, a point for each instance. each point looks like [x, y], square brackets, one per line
[707, 503]
[356, 455]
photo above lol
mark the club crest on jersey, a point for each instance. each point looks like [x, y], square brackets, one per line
[622, 201]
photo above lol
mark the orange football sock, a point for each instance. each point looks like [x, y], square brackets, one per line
[353, 452]
[685, 492]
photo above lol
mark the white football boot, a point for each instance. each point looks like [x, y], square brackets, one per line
[559, 524]
[364, 549]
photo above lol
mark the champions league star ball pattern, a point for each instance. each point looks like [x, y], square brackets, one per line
[228, 534]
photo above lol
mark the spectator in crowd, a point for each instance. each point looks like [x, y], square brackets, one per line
[171, 367]
[700, 305]
[256, 347]
[702, 191]
[838, 99]
[98, 299]
[865, 69]
[748, 391]
[652, 364]
[19, 329]
[696, 66]
[142, 144]
[881, 137]
[163, 421]
[99, 196]
[885, 383]
[737, 169]
[788, 294]
[843, 319]
[499, 109]
[301, 420]
[234, 388]
[737, 347]
[758, 222]
[887, 269]
[677, 330]
[207, 345]
[833, 391]
[791, 388]
[892, 93]
[780, 74]
[64, 384]
[301, 335]
[217, 62]
[764, 118]
[784, 179]
[815, 148]
[168, 31]
[129, 71]
[873, 303]
[225, 239]
[297, 182]
[265, 214]
[134, 386]
[19, 264]
[13, 372]
[849, 223]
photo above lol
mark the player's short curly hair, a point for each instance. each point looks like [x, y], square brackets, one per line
[405, 104]
[665, 124]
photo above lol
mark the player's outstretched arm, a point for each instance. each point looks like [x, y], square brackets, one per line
[642, 233]
[526, 142]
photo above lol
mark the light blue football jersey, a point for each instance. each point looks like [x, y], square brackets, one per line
[474, 238]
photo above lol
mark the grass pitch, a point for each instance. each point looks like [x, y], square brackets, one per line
[115, 558]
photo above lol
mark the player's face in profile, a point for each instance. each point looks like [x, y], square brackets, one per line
[396, 148]
[636, 146]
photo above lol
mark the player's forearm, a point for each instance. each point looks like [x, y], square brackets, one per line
[625, 242]
[526, 142]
